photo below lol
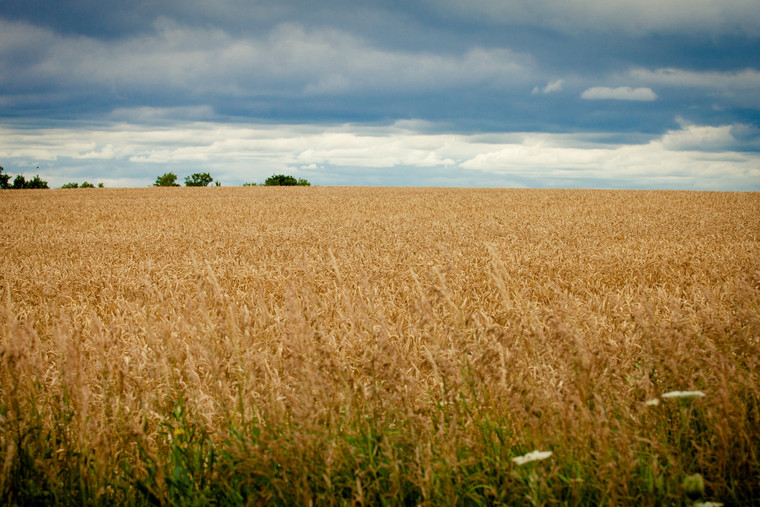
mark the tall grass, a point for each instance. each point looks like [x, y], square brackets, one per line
[378, 346]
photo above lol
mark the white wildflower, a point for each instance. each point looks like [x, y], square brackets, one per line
[708, 504]
[532, 456]
[653, 402]
[683, 394]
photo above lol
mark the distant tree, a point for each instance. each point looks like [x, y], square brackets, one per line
[36, 182]
[285, 181]
[101, 185]
[87, 185]
[198, 180]
[277, 180]
[20, 182]
[303, 182]
[166, 180]
[249, 184]
[72, 184]
[4, 179]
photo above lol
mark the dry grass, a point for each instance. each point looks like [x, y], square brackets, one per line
[349, 345]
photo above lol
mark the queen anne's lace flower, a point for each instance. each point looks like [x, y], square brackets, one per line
[532, 456]
[683, 394]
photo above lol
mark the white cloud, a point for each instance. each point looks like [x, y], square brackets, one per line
[693, 156]
[551, 87]
[700, 138]
[620, 93]
[672, 161]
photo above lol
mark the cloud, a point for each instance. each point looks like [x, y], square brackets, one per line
[577, 16]
[699, 138]
[149, 115]
[708, 138]
[301, 65]
[741, 86]
[287, 60]
[620, 93]
[668, 162]
[746, 79]
[551, 87]
[746, 136]
[694, 156]
[633, 17]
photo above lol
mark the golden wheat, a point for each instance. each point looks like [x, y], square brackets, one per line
[553, 315]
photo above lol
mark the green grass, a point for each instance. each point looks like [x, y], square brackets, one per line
[460, 460]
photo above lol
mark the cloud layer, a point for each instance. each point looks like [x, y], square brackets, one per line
[694, 157]
[627, 16]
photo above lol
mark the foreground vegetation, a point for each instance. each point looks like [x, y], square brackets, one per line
[379, 346]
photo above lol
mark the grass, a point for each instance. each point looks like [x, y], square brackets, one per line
[339, 346]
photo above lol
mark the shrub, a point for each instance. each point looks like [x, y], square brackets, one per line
[72, 184]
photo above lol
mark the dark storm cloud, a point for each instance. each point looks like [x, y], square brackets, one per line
[317, 71]
[357, 61]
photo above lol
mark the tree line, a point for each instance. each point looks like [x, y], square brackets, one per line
[204, 179]
[194, 180]
[20, 181]
[165, 180]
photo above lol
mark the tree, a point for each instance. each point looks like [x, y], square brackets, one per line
[70, 185]
[4, 178]
[285, 181]
[20, 182]
[36, 182]
[198, 180]
[166, 180]
[87, 185]
[277, 180]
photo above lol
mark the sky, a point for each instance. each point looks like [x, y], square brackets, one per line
[654, 94]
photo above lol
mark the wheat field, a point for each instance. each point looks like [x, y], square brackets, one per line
[330, 346]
